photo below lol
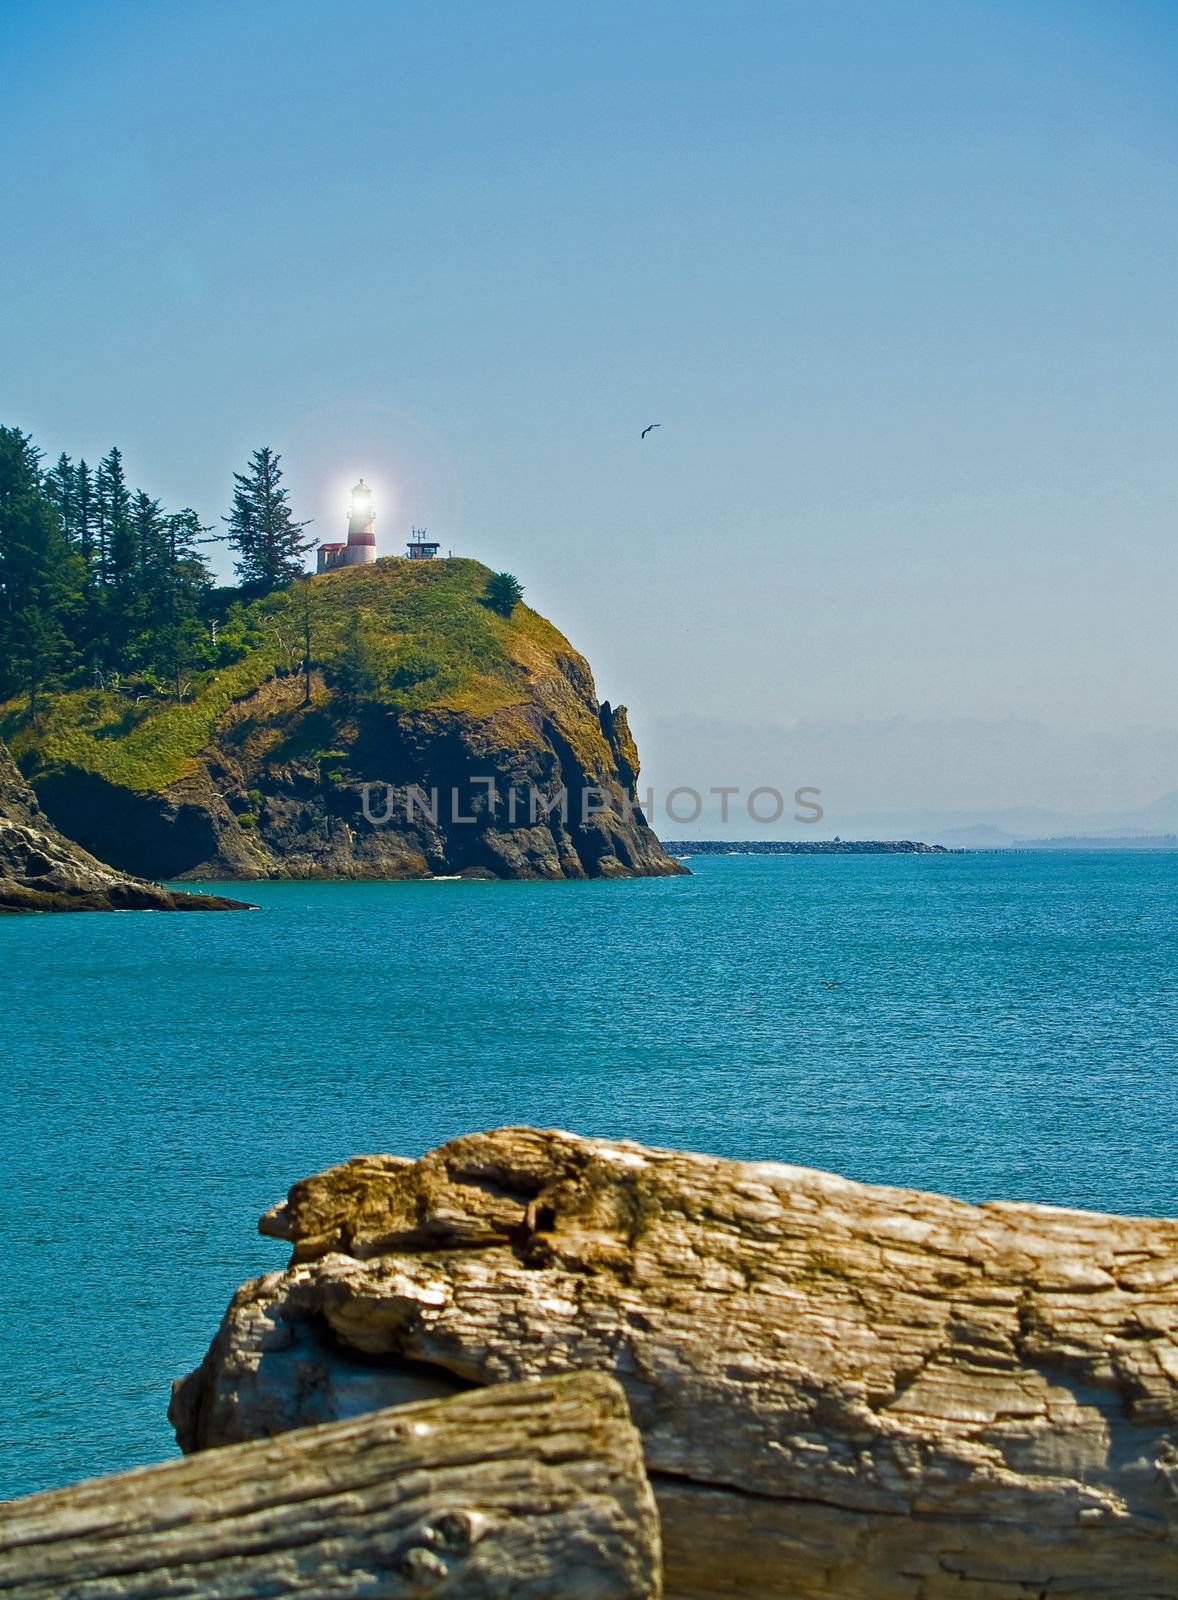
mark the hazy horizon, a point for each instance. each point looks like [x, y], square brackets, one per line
[897, 281]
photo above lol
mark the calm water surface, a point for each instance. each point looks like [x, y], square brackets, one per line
[987, 1025]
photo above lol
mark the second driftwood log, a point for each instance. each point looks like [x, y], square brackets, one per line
[521, 1492]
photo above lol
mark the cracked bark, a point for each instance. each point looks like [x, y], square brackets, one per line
[842, 1390]
[534, 1491]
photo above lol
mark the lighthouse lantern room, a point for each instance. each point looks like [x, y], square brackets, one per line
[360, 549]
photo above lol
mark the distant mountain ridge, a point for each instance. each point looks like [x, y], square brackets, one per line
[1094, 841]
[1024, 826]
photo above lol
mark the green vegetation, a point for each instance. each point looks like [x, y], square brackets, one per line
[101, 586]
[415, 635]
[141, 742]
[503, 593]
[120, 656]
[41, 574]
[262, 529]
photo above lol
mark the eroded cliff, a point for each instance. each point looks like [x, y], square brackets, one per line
[432, 736]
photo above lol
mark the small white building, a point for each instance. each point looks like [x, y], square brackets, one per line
[420, 548]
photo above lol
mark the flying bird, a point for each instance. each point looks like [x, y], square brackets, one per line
[646, 430]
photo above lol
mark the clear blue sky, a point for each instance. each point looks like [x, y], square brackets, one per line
[898, 280]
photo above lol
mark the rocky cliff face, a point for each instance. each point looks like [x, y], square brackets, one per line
[493, 759]
[395, 795]
[41, 871]
[844, 1392]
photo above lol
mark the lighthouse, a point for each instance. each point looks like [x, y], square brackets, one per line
[360, 549]
[361, 545]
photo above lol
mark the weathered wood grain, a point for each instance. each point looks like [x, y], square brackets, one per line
[534, 1491]
[843, 1390]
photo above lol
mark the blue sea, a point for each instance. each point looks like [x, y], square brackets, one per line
[986, 1025]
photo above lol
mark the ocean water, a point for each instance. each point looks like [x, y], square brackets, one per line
[986, 1025]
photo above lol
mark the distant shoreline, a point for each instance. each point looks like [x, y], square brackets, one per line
[804, 847]
[914, 847]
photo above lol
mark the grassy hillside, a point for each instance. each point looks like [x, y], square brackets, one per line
[419, 629]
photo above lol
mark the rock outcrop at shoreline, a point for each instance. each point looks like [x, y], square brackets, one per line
[42, 871]
[844, 1392]
[460, 742]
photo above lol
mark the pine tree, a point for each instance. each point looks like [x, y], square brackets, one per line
[112, 520]
[503, 593]
[120, 553]
[262, 528]
[189, 582]
[186, 532]
[143, 594]
[117, 615]
[101, 522]
[82, 531]
[40, 575]
[85, 514]
[61, 487]
[179, 582]
[71, 489]
[150, 538]
[178, 649]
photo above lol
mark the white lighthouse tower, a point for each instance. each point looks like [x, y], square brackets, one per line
[361, 545]
[360, 549]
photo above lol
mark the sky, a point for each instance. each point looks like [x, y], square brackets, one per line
[898, 281]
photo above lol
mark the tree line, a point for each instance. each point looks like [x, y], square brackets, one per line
[101, 584]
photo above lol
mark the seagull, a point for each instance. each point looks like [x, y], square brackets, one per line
[646, 430]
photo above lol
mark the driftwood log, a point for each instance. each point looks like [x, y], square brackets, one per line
[843, 1390]
[534, 1491]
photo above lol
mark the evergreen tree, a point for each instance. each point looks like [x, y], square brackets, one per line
[61, 487]
[189, 582]
[178, 585]
[119, 549]
[82, 517]
[70, 488]
[179, 649]
[90, 571]
[82, 530]
[150, 540]
[118, 614]
[142, 596]
[85, 514]
[101, 522]
[40, 575]
[503, 593]
[186, 533]
[262, 528]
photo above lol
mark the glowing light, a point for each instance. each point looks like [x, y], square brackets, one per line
[356, 501]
